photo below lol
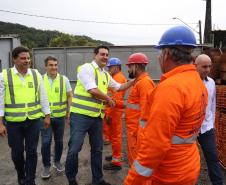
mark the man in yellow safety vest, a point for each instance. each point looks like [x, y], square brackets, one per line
[59, 94]
[23, 101]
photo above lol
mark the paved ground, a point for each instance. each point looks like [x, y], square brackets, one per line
[8, 174]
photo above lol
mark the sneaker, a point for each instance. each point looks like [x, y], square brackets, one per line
[46, 173]
[58, 166]
[108, 158]
[111, 166]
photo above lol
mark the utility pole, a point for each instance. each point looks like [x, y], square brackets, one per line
[208, 23]
[200, 32]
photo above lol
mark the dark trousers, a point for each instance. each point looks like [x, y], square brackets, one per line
[24, 136]
[80, 125]
[56, 129]
[208, 145]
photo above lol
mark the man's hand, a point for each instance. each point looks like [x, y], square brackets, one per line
[47, 121]
[3, 131]
[110, 102]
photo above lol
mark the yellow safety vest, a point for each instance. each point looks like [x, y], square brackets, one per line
[22, 100]
[84, 103]
[57, 95]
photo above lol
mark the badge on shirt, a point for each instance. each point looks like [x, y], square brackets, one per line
[57, 89]
[104, 82]
[30, 84]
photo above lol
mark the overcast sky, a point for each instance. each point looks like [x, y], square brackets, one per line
[156, 17]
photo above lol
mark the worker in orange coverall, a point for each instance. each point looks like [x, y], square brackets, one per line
[136, 101]
[113, 117]
[168, 153]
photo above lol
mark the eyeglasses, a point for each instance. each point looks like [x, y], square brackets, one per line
[24, 58]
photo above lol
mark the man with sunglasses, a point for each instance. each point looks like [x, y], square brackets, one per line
[23, 101]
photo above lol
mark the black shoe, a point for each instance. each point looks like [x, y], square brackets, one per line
[108, 158]
[73, 183]
[101, 183]
[21, 181]
[111, 166]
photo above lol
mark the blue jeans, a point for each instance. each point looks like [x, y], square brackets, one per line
[24, 135]
[208, 144]
[80, 125]
[56, 129]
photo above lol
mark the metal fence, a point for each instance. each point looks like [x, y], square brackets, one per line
[70, 58]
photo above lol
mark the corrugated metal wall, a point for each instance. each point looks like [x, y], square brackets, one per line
[70, 58]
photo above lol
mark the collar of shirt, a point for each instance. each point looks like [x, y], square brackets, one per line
[50, 78]
[17, 72]
[96, 66]
[206, 79]
[179, 69]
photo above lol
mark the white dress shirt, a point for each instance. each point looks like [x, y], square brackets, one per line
[209, 120]
[87, 77]
[43, 96]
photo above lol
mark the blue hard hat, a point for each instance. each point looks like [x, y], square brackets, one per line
[114, 62]
[177, 36]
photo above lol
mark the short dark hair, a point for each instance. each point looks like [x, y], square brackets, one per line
[180, 56]
[142, 67]
[96, 50]
[50, 58]
[18, 50]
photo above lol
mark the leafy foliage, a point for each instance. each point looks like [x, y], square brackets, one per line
[34, 38]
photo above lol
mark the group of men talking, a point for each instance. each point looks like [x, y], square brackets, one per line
[162, 121]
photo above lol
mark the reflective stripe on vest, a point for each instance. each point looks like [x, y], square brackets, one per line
[83, 102]
[142, 170]
[22, 105]
[58, 103]
[11, 90]
[85, 107]
[17, 112]
[59, 110]
[133, 106]
[179, 140]
[35, 83]
[142, 123]
[57, 98]
[90, 99]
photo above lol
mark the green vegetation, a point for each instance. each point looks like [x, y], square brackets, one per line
[34, 38]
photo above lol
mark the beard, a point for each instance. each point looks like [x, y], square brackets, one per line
[131, 75]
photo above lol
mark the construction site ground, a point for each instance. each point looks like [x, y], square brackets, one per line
[8, 174]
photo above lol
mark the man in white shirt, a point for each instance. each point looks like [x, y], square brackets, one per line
[87, 112]
[207, 136]
[23, 101]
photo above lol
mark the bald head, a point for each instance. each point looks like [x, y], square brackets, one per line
[203, 64]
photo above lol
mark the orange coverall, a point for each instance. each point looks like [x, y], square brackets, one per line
[168, 154]
[113, 129]
[134, 111]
